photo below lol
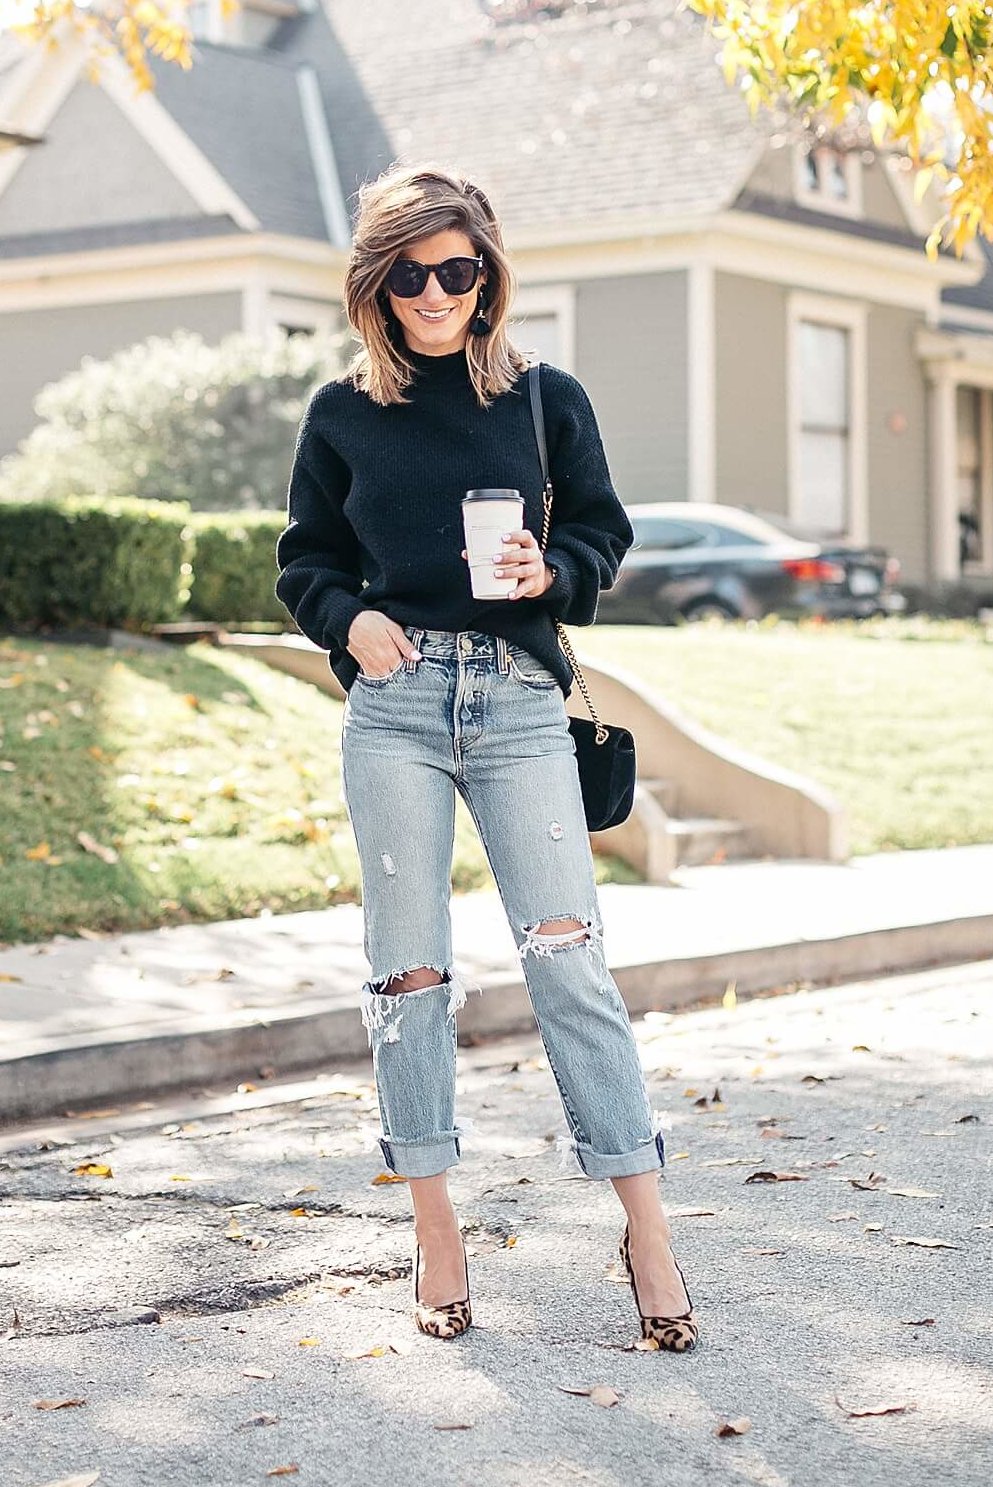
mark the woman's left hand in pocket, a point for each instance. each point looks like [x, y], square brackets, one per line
[523, 560]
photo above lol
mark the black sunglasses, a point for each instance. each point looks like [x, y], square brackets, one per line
[407, 278]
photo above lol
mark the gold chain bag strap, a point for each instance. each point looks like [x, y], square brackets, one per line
[605, 754]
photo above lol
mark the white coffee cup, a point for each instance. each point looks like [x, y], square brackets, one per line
[486, 514]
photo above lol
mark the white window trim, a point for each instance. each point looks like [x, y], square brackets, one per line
[822, 201]
[287, 309]
[849, 316]
[558, 300]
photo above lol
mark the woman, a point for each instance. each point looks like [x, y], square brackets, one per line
[446, 692]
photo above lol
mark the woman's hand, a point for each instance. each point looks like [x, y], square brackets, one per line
[522, 559]
[378, 643]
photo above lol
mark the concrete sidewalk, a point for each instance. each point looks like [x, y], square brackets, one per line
[86, 1021]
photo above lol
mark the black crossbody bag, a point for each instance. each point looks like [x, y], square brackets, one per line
[604, 752]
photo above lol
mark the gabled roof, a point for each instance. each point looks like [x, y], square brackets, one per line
[243, 109]
[598, 114]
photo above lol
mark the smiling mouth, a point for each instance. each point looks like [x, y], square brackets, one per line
[435, 314]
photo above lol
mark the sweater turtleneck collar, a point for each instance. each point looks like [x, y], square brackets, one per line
[430, 371]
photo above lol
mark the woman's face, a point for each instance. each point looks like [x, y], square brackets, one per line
[437, 323]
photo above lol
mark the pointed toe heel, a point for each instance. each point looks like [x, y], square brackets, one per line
[448, 1320]
[676, 1334]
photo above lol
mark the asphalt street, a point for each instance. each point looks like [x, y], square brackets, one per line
[217, 1289]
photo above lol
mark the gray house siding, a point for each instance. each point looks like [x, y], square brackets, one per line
[631, 356]
[897, 461]
[751, 397]
[61, 183]
[40, 346]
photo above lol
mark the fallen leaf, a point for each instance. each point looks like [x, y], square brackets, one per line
[440, 1426]
[382, 1177]
[837, 1218]
[311, 1187]
[601, 1394]
[7, 978]
[691, 1213]
[729, 1162]
[258, 1420]
[40, 853]
[870, 1184]
[309, 1342]
[83, 1479]
[55, 1404]
[912, 1193]
[734, 1427]
[283, 1471]
[92, 1169]
[90, 844]
[874, 1409]
[923, 1242]
[257, 1373]
[962, 1119]
[777, 1177]
[924, 1322]
[191, 699]
[753, 1250]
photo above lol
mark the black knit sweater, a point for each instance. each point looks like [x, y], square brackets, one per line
[375, 497]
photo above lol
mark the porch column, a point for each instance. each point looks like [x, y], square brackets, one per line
[944, 524]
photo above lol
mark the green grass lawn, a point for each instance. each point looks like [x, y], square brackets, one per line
[213, 781]
[894, 716]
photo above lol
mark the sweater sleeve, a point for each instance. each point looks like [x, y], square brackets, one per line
[317, 552]
[589, 531]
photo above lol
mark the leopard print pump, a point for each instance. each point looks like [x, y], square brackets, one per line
[441, 1321]
[676, 1334]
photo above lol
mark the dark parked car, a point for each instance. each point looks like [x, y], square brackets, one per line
[691, 560]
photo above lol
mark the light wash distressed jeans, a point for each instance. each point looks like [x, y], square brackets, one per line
[483, 717]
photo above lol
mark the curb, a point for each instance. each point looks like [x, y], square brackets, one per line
[49, 1082]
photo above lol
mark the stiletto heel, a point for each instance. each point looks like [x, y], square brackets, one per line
[676, 1334]
[441, 1321]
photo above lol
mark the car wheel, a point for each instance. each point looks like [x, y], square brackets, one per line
[705, 609]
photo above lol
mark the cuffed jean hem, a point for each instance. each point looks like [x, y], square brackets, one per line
[648, 1157]
[420, 1158]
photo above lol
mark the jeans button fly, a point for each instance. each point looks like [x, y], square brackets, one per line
[465, 645]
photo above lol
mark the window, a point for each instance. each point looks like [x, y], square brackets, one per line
[974, 477]
[829, 179]
[823, 456]
[661, 532]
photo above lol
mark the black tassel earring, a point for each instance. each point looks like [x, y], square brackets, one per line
[481, 326]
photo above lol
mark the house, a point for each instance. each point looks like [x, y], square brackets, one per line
[752, 312]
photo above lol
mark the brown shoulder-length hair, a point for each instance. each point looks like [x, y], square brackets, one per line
[404, 204]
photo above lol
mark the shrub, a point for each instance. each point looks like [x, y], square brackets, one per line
[175, 419]
[79, 561]
[234, 569]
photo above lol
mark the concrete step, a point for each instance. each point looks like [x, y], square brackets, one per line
[700, 838]
[666, 792]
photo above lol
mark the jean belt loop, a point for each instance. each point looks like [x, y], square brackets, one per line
[415, 640]
[503, 665]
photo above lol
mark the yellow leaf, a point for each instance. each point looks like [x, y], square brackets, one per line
[180, 1177]
[92, 1169]
[309, 1342]
[39, 853]
[730, 997]
[6, 976]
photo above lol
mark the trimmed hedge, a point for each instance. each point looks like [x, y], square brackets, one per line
[118, 562]
[234, 570]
